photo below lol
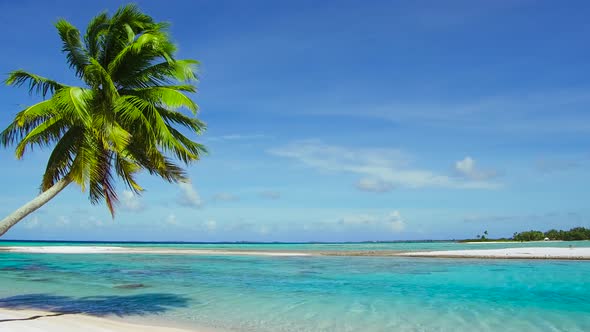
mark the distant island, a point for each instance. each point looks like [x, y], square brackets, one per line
[574, 234]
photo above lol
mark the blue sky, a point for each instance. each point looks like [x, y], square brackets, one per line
[342, 121]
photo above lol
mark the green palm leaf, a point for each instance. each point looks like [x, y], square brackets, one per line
[37, 84]
[62, 156]
[72, 46]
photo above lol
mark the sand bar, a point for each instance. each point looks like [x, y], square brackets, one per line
[581, 253]
[518, 253]
[35, 321]
[167, 251]
[139, 250]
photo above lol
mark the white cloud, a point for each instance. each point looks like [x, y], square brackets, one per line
[210, 225]
[395, 222]
[189, 196]
[171, 220]
[465, 166]
[130, 201]
[392, 222]
[468, 169]
[374, 185]
[386, 165]
[225, 197]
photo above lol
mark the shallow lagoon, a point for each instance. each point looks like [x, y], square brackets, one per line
[312, 293]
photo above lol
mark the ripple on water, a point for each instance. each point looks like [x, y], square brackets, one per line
[331, 294]
[130, 286]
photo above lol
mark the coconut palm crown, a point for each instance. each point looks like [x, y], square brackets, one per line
[125, 116]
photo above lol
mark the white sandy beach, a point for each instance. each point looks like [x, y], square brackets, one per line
[139, 250]
[37, 321]
[528, 253]
[531, 253]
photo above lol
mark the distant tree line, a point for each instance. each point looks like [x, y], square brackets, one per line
[574, 234]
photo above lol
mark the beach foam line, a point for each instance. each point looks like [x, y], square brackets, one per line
[507, 253]
[35, 321]
[129, 250]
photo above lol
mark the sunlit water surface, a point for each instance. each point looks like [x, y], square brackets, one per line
[312, 293]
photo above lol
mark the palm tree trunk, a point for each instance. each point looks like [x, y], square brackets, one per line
[16, 216]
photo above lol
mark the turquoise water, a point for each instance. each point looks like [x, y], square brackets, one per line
[307, 293]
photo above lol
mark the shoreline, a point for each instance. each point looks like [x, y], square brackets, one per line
[12, 320]
[153, 251]
[505, 242]
[204, 252]
[577, 253]
[508, 253]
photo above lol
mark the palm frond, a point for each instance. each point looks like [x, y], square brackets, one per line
[126, 169]
[115, 137]
[195, 148]
[34, 112]
[174, 117]
[45, 133]
[169, 96]
[36, 84]
[115, 37]
[62, 157]
[72, 46]
[163, 73]
[102, 182]
[95, 32]
[131, 115]
[100, 79]
[25, 121]
[164, 137]
[73, 103]
[172, 172]
[141, 51]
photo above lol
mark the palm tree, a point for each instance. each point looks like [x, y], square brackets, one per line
[124, 118]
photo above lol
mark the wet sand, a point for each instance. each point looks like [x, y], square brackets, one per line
[36, 321]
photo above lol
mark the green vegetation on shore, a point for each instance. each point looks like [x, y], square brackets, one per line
[574, 234]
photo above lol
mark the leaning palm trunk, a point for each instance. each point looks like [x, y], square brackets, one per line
[18, 215]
